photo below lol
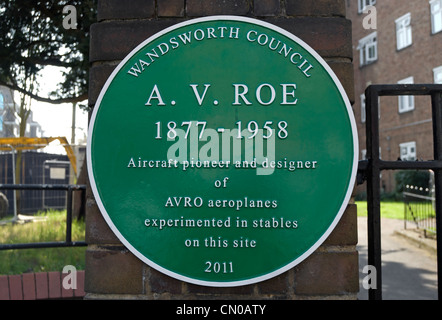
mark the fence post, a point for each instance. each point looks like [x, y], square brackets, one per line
[373, 191]
[405, 210]
[436, 103]
[69, 216]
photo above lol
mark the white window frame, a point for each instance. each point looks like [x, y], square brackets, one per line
[407, 151]
[368, 49]
[363, 110]
[363, 4]
[436, 16]
[437, 74]
[363, 154]
[406, 103]
[404, 36]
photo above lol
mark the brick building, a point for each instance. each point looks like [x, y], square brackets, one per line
[397, 42]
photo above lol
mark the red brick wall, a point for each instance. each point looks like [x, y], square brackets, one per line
[40, 286]
[111, 270]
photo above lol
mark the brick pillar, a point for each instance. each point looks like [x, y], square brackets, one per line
[111, 270]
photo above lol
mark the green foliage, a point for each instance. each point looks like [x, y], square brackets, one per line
[390, 210]
[33, 37]
[51, 226]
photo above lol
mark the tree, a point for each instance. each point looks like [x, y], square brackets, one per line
[33, 36]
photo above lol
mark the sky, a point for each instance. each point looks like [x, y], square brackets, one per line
[56, 119]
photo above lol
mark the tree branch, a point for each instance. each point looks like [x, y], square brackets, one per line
[48, 61]
[36, 97]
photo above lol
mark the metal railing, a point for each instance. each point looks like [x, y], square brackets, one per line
[69, 208]
[419, 209]
[370, 170]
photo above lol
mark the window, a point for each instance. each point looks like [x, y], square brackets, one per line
[368, 49]
[408, 151]
[362, 96]
[363, 4]
[403, 31]
[364, 154]
[406, 103]
[436, 16]
[364, 108]
[437, 72]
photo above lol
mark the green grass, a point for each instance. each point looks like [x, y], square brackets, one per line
[391, 210]
[52, 228]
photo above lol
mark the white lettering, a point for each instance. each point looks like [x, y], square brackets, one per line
[285, 93]
[185, 37]
[135, 70]
[249, 35]
[155, 94]
[201, 34]
[241, 95]
[234, 33]
[242, 309]
[272, 94]
[197, 95]
[204, 311]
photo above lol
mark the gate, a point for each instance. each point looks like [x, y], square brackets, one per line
[371, 168]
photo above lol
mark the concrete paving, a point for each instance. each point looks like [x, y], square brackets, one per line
[409, 268]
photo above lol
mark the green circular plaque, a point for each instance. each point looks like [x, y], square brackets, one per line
[222, 151]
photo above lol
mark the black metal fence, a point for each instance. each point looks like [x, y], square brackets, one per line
[419, 210]
[371, 168]
[67, 188]
[36, 168]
